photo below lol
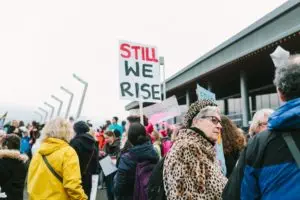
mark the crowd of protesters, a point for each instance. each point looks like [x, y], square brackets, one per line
[160, 161]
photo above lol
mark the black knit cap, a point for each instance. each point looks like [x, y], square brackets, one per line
[81, 127]
[194, 109]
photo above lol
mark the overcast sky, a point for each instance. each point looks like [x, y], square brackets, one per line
[43, 42]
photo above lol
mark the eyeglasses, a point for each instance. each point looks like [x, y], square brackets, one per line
[263, 124]
[213, 119]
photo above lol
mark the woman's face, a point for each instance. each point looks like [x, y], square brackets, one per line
[109, 139]
[210, 125]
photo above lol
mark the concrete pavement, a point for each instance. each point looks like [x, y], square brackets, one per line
[101, 195]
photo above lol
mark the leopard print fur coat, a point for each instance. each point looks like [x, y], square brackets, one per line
[191, 171]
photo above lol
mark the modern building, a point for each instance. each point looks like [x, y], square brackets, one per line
[240, 71]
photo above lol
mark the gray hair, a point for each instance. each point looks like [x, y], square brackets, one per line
[207, 111]
[287, 78]
[258, 116]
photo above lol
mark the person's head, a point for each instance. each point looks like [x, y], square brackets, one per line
[34, 124]
[115, 120]
[81, 127]
[109, 137]
[233, 139]
[156, 136]
[108, 122]
[58, 128]
[260, 121]
[209, 121]
[123, 123]
[117, 133]
[15, 123]
[135, 118]
[12, 142]
[137, 134]
[287, 79]
[71, 119]
[21, 124]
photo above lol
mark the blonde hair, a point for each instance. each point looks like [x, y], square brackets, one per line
[156, 135]
[256, 120]
[58, 128]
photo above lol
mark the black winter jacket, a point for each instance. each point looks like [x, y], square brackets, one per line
[13, 169]
[87, 151]
[113, 149]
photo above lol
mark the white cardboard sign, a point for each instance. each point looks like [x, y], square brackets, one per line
[139, 73]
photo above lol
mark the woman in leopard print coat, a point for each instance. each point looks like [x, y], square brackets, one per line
[191, 171]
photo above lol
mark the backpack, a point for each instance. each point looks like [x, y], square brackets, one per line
[156, 189]
[166, 145]
[142, 175]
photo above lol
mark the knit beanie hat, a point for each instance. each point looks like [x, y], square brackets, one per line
[81, 127]
[194, 109]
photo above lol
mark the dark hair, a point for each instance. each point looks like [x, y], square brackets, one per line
[34, 124]
[110, 134]
[116, 118]
[21, 123]
[233, 139]
[12, 141]
[117, 133]
[137, 134]
[123, 123]
[133, 118]
[108, 122]
[136, 118]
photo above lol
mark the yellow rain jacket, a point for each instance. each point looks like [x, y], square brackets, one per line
[43, 185]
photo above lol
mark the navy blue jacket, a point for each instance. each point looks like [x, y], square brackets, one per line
[266, 168]
[125, 177]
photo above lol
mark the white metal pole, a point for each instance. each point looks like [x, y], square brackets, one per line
[52, 109]
[141, 112]
[46, 113]
[162, 63]
[83, 94]
[60, 104]
[70, 101]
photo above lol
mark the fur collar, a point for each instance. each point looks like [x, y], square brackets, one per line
[13, 154]
[190, 136]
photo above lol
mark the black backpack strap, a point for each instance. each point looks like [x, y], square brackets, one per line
[51, 169]
[156, 189]
[292, 147]
[88, 164]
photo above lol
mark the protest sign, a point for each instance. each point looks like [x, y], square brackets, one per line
[220, 155]
[204, 94]
[93, 194]
[139, 73]
[108, 166]
[158, 112]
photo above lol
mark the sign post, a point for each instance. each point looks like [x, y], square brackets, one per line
[139, 73]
